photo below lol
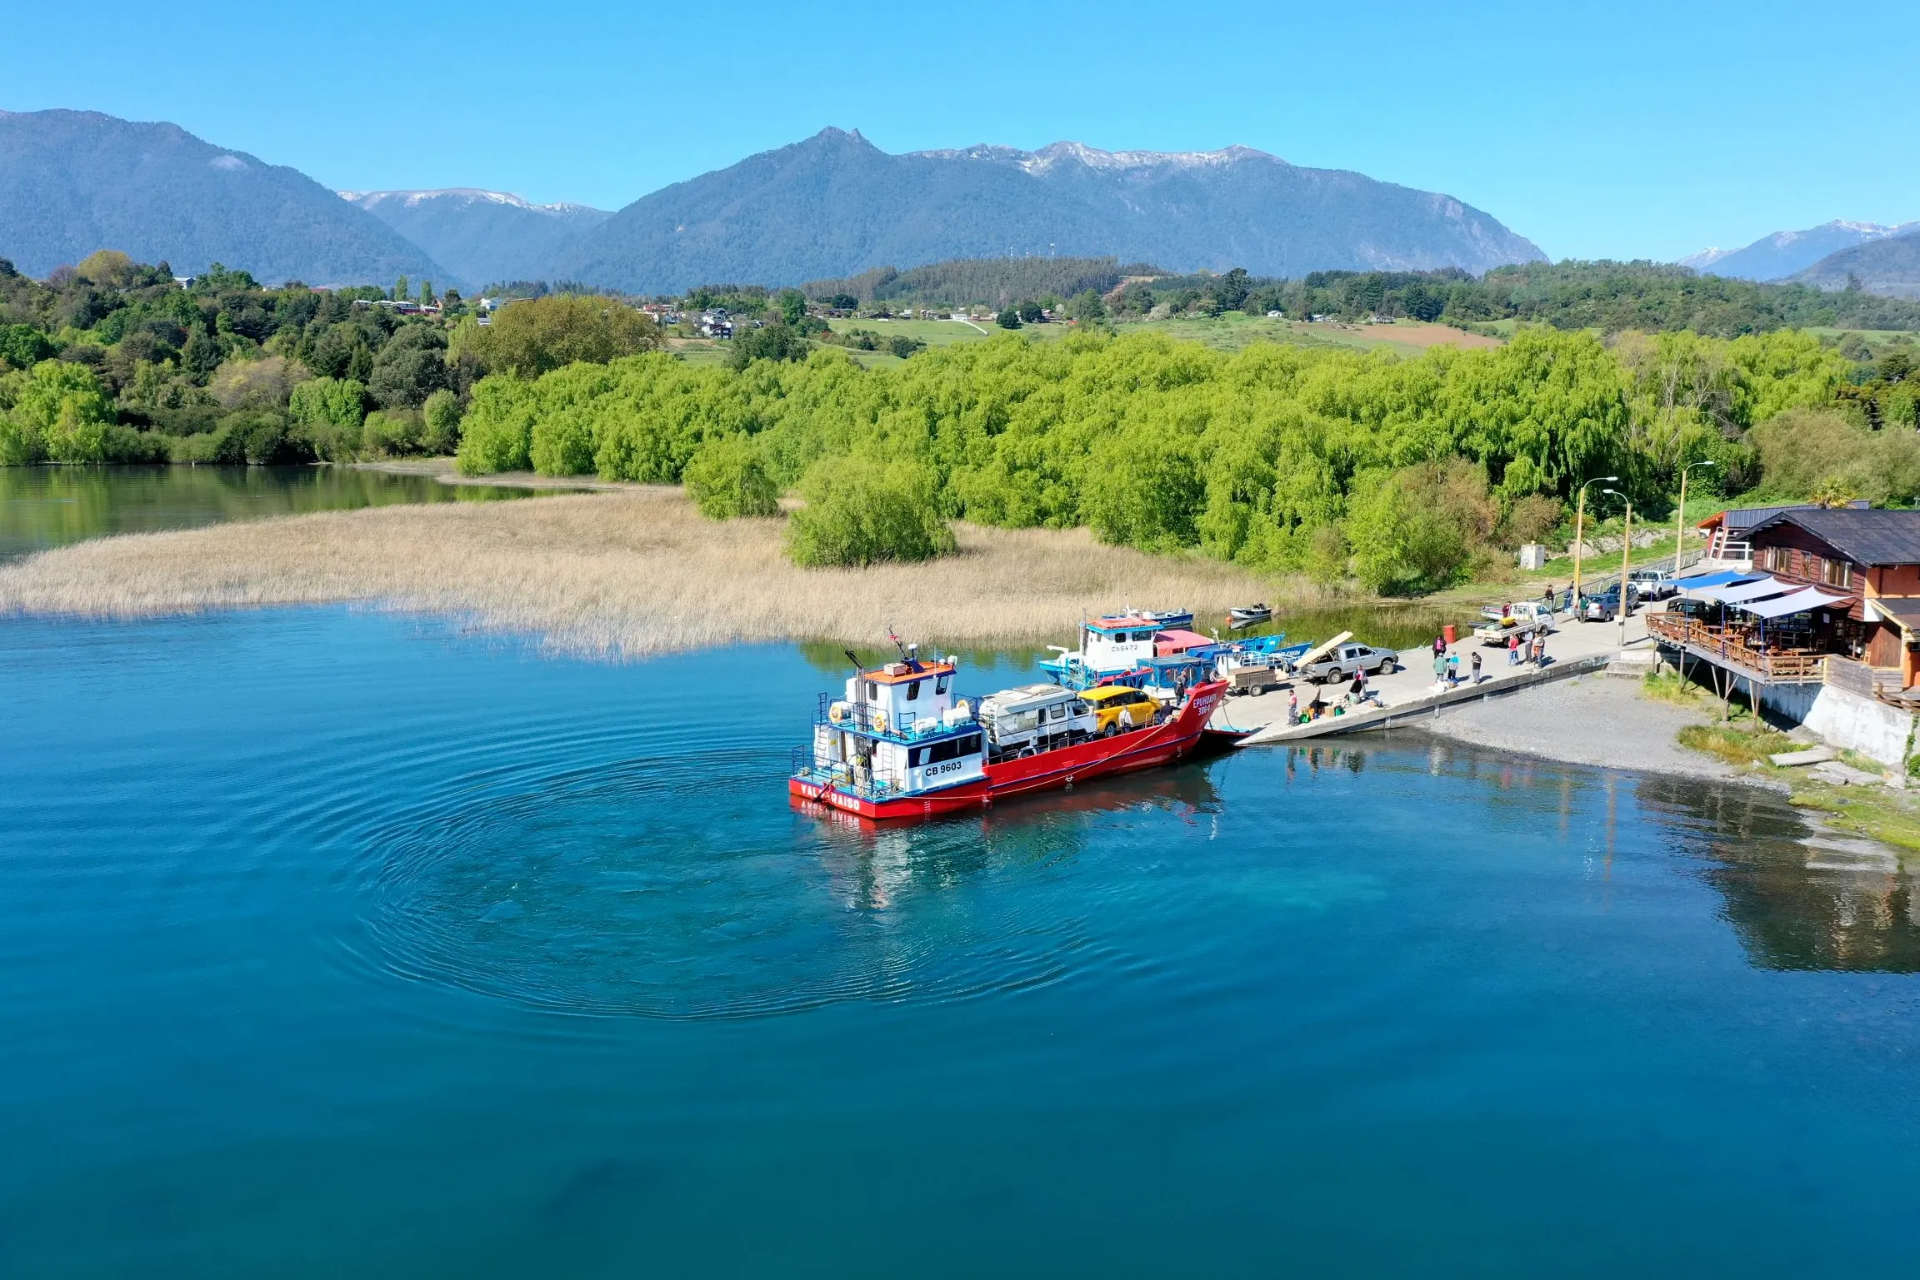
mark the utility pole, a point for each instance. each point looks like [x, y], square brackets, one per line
[1680, 518]
[1579, 536]
[1626, 562]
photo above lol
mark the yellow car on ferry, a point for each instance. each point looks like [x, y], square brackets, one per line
[1116, 708]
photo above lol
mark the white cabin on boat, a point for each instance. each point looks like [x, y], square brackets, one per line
[901, 728]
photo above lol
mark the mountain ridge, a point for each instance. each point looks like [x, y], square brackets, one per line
[1780, 255]
[834, 204]
[483, 237]
[72, 182]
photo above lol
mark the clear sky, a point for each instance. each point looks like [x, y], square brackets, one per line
[1627, 129]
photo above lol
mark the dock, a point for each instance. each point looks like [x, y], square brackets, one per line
[1409, 694]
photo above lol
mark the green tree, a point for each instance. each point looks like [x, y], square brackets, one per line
[440, 417]
[400, 289]
[54, 412]
[792, 305]
[426, 293]
[531, 337]
[860, 511]
[1008, 319]
[411, 367]
[725, 479]
[776, 341]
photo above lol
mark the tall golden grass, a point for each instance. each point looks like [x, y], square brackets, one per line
[635, 571]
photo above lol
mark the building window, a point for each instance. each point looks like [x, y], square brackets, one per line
[1836, 573]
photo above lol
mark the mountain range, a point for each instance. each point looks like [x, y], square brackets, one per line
[481, 236]
[75, 181]
[831, 205]
[835, 204]
[1786, 254]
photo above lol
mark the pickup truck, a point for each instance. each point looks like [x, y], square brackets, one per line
[1523, 618]
[1654, 584]
[1344, 659]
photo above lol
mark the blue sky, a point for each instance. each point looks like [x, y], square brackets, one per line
[1620, 130]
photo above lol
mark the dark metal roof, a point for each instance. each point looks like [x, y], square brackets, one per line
[1866, 537]
[1746, 519]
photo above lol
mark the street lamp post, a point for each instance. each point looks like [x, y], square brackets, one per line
[1626, 562]
[1579, 536]
[1680, 519]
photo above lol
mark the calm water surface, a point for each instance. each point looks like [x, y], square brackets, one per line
[44, 507]
[337, 943]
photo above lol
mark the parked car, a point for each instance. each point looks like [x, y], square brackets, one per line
[1117, 707]
[1347, 659]
[1605, 607]
[1654, 584]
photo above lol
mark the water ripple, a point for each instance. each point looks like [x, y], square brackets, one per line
[668, 886]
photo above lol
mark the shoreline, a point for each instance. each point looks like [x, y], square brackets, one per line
[1558, 722]
[631, 571]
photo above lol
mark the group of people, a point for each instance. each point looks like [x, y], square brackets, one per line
[1446, 666]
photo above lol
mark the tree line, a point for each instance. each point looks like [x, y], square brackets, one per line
[114, 361]
[1398, 472]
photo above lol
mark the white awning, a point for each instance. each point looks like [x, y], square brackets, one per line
[1746, 591]
[1799, 602]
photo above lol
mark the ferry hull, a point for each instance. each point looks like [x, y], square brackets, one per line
[1174, 739]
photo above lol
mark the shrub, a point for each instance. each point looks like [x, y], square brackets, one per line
[338, 402]
[53, 412]
[391, 431]
[441, 416]
[725, 479]
[903, 346]
[861, 511]
[1415, 529]
[497, 432]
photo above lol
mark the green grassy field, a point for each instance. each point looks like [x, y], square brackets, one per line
[1233, 331]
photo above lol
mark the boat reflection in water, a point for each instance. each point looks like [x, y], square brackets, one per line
[870, 865]
[1798, 899]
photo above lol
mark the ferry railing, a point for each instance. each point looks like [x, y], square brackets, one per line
[862, 718]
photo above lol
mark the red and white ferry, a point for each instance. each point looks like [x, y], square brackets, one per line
[902, 744]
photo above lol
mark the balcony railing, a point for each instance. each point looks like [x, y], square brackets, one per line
[1729, 647]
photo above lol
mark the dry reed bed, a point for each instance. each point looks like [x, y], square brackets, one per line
[632, 572]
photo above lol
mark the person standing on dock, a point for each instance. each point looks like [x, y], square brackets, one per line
[1439, 668]
[1293, 706]
[1513, 651]
[1476, 666]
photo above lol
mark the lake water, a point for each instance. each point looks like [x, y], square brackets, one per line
[44, 507]
[341, 943]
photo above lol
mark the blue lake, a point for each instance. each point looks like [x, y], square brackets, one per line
[338, 943]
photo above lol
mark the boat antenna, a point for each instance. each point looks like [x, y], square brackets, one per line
[898, 644]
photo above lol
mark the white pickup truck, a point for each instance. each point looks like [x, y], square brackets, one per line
[1523, 618]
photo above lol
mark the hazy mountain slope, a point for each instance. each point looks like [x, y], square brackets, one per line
[835, 205]
[1783, 253]
[481, 236]
[75, 181]
[1889, 266]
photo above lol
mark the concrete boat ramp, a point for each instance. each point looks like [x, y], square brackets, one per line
[1410, 694]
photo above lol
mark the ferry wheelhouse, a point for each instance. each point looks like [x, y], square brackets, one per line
[1114, 645]
[902, 743]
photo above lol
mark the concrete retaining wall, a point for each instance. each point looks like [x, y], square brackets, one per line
[1844, 719]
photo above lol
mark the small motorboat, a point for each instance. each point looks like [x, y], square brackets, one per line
[1248, 615]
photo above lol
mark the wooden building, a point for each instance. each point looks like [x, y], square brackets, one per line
[1869, 558]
